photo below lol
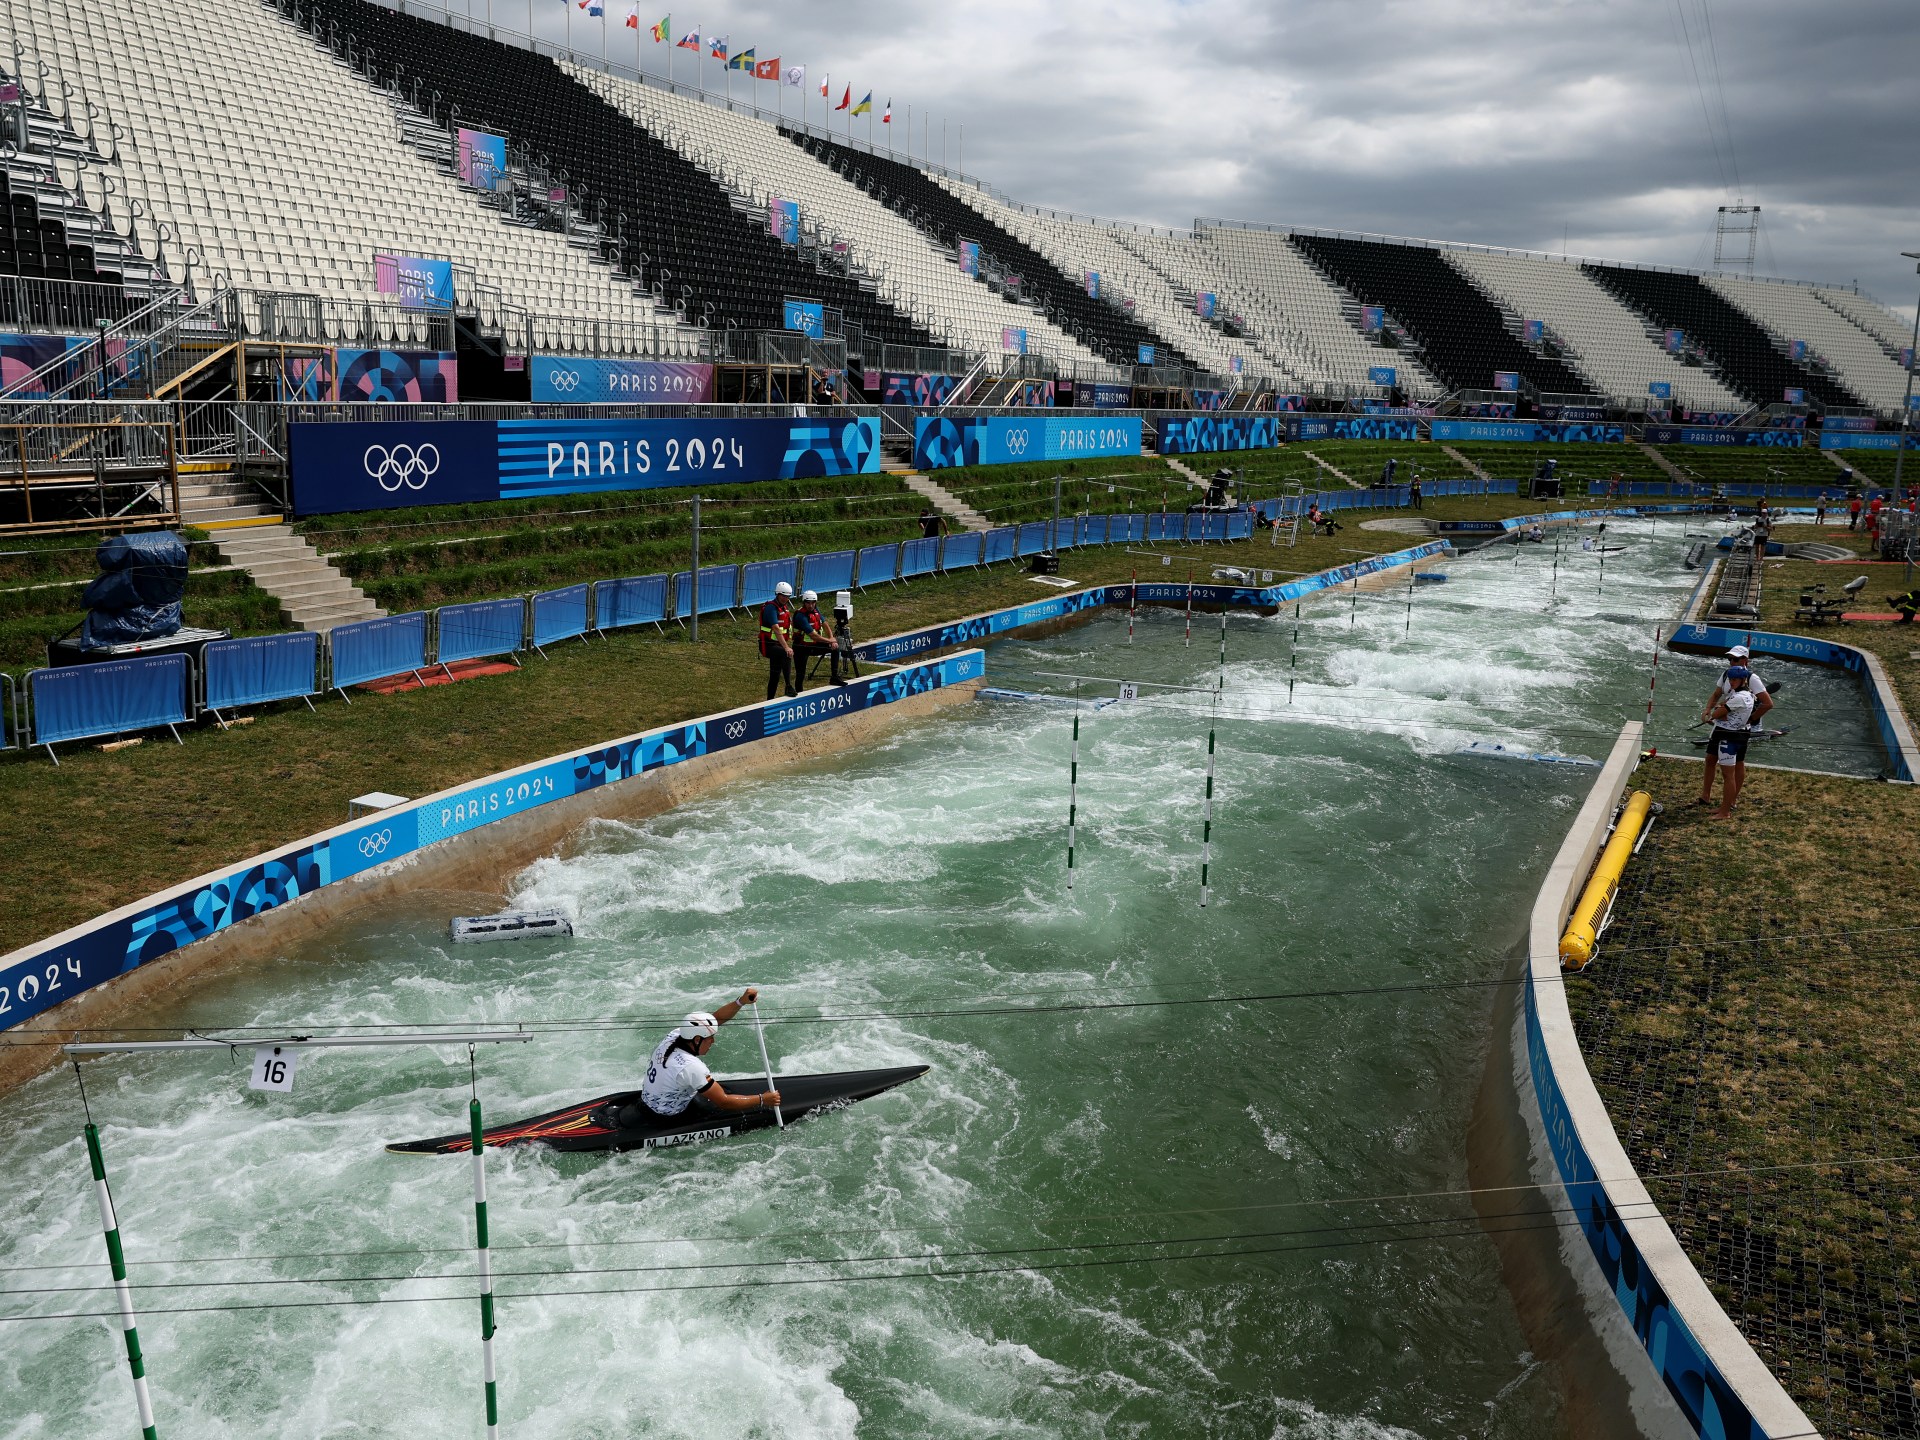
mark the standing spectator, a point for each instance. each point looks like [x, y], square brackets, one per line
[1732, 716]
[1820, 510]
[1853, 513]
[1760, 702]
[932, 523]
[1413, 491]
[776, 639]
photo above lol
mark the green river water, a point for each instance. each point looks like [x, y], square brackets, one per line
[1354, 850]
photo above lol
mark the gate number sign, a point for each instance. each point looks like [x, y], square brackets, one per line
[1129, 690]
[272, 1069]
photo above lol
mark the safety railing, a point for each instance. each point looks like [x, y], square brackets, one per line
[125, 695]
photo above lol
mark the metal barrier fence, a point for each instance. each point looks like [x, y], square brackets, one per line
[75, 702]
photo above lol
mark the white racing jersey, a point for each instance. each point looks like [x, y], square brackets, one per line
[673, 1080]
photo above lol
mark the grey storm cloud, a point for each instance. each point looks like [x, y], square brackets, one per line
[1535, 124]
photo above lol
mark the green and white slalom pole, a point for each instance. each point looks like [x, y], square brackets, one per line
[1206, 813]
[1073, 791]
[486, 1271]
[117, 1259]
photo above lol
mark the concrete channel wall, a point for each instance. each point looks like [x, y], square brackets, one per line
[1722, 1387]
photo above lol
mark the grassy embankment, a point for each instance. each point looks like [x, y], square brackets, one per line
[106, 828]
[1753, 1009]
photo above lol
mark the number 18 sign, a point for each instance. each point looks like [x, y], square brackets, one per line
[272, 1069]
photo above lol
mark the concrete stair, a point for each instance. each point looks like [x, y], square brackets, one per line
[1472, 468]
[1672, 470]
[312, 594]
[213, 500]
[944, 500]
[1186, 472]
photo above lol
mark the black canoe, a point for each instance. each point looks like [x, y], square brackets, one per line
[572, 1129]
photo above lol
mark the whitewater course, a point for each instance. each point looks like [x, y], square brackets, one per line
[1185, 1169]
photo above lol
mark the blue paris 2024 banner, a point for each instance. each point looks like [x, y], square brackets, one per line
[1225, 432]
[382, 465]
[570, 378]
[940, 443]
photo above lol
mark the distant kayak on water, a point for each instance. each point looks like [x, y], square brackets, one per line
[574, 1127]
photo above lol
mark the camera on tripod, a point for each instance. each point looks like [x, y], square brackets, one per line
[843, 627]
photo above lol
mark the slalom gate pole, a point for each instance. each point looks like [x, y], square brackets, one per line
[1223, 649]
[1073, 789]
[116, 1258]
[760, 1026]
[1189, 607]
[1293, 665]
[1353, 608]
[1554, 589]
[1602, 588]
[1206, 813]
[1412, 570]
[486, 1262]
[1653, 676]
[1133, 601]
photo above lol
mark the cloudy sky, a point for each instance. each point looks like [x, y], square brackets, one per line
[1588, 124]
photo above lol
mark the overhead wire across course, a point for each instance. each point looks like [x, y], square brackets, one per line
[1744, 1172]
[244, 1036]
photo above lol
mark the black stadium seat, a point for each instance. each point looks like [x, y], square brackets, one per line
[1746, 355]
[911, 192]
[720, 260]
[1463, 339]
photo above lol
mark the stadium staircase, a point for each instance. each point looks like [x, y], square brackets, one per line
[311, 593]
[1745, 355]
[944, 500]
[1462, 336]
[908, 191]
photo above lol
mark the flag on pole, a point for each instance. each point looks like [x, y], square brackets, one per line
[690, 41]
[823, 86]
[664, 30]
[865, 107]
[717, 46]
[886, 116]
[742, 61]
[633, 15]
[767, 69]
[594, 8]
[845, 100]
[796, 75]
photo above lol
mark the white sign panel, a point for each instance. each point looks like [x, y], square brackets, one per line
[272, 1069]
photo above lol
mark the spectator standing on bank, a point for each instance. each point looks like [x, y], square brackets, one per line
[1732, 716]
[932, 523]
[1759, 703]
[1853, 513]
[1413, 492]
[776, 639]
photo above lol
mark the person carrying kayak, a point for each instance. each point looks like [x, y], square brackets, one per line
[678, 1079]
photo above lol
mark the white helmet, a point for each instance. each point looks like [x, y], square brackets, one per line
[698, 1026]
[783, 588]
[813, 595]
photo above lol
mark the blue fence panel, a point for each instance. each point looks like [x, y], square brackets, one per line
[877, 563]
[719, 590]
[1240, 526]
[559, 614]
[829, 570]
[963, 549]
[919, 557]
[374, 649]
[486, 627]
[1134, 531]
[261, 668]
[1002, 542]
[1033, 538]
[634, 600]
[1061, 536]
[1092, 530]
[1196, 527]
[73, 701]
[1162, 526]
[758, 579]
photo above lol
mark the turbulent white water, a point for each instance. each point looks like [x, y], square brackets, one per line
[1354, 850]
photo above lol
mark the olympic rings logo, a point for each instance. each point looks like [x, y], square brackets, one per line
[1016, 442]
[735, 729]
[408, 465]
[565, 381]
[376, 844]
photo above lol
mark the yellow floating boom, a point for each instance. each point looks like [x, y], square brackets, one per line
[1583, 928]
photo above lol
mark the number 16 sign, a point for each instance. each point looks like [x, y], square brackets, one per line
[272, 1069]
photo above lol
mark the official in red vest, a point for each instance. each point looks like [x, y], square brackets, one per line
[776, 639]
